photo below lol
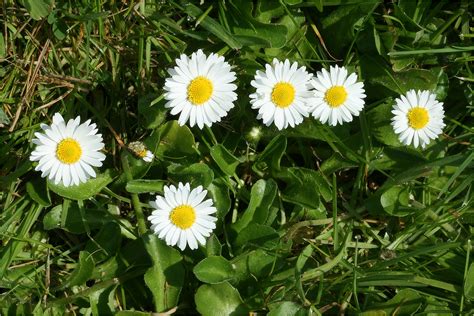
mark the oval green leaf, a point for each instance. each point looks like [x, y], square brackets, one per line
[395, 201]
[226, 161]
[175, 141]
[85, 190]
[261, 199]
[38, 191]
[257, 235]
[214, 269]
[219, 299]
[165, 278]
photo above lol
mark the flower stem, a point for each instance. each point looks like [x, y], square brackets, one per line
[135, 200]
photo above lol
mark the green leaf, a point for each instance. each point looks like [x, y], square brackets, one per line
[261, 199]
[60, 30]
[38, 191]
[469, 283]
[400, 63]
[212, 26]
[58, 26]
[436, 307]
[417, 79]
[52, 219]
[37, 9]
[286, 309]
[110, 268]
[145, 186]
[224, 159]
[214, 269]
[254, 264]
[175, 141]
[254, 32]
[106, 243]
[219, 299]
[339, 25]
[380, 124]
[271, 155]
[213, 246]
[304, 187]
[82, 272]
[406, 302]
[395, 201]
[336, 162]
[153, 114]
[196, 174]
[377, 74]
[256, 235]
[85, 190]
[103, 301]
[300, 264]
[219, 192]
[165, 278]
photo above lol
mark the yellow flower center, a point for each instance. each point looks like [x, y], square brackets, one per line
[418, 117]
[199, 90]
[183, 216]
[335, 96]
[142, 153]
[68, 151]
[283, 94]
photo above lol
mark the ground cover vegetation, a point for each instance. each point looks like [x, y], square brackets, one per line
[321, 215]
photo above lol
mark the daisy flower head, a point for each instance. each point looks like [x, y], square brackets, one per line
[139, 150]
[337, 97]
[281, 94]
[182, 217]
[200, 89]
[418, 118]
[66, 152]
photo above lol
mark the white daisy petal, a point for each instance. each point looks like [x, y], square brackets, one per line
[337, 95]
[278, 91]
[192, 243]
[66, 152]
[418, 118]
[200, 89]
[182, 240]
[181, 217]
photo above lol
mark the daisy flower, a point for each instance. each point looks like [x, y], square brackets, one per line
[67, 152]
[281, 95]
[181, 217]
[336, 96]
[139, 149]
[200, 89]
[418, 118]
